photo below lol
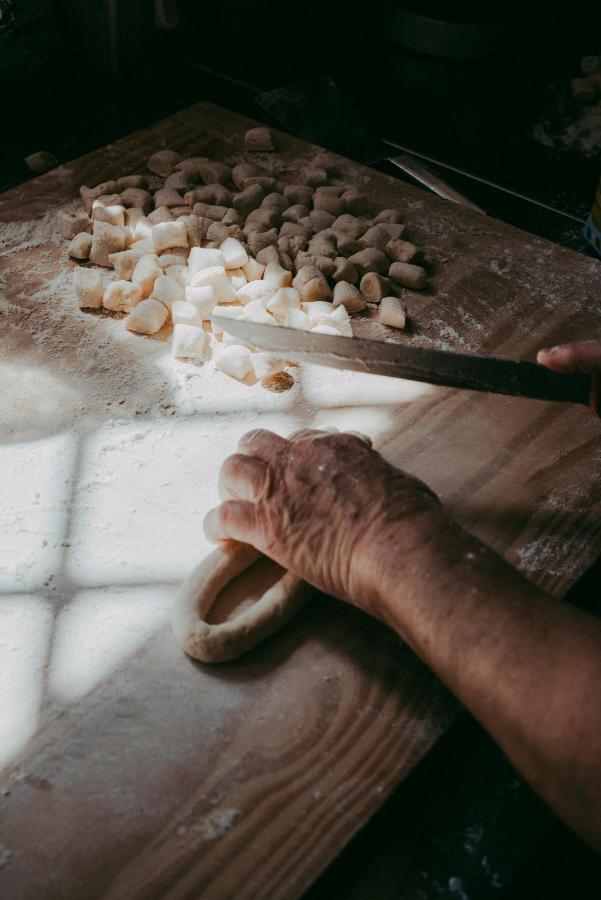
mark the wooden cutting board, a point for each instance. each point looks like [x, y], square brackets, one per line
[134, 773]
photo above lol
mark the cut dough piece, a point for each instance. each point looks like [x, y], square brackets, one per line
[188, 342]
[204, 258]
[72, 224]
[392, 312]
[80, 246]
[41, 161]
[229, 640]
[236, 278]
[203, 298]
[349, 296]
[253, 269]
[256, 312]
[183, 313]
[408, 275]
[216, 277]
[296, 318]
[286, 298]
[145, 273]
[179, 274]
[148, 317]
[89, 288]
[234, 254]
[167, 290]
[125, 262]
[121, 296]
[113, 213]
[255, 290]
[259, 140]
[106, 239]
[166, 235]
[226, 312]
[234, 360]
[276, 276]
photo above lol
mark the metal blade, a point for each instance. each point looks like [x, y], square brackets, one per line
[496, 375]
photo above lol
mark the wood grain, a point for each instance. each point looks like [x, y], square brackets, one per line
[175, 780]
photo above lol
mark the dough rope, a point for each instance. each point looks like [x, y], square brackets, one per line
[228, 640]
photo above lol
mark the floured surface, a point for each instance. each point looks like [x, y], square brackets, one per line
[110, 453]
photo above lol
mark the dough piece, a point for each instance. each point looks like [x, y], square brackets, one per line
[160, 214]
[168, 197]
[276, 277]
[173, 257]
[212, 194]
[106, 239]
[121, 296]
[265, 216]
[113, 213]
[296, 318]
[248, 200]
[148, 317]
[299, 194]
[215, 172]
[136, 198]
[166, 235]
[236, 278]
[265, 364]
[355, 203]
[202, 298]
[389, 215]
[259, 140]
[294, 213]
[314, 176]
[256, 312]
[286, 298]
[277, 201]
[88, 195]
[188, 342]
[89, 288]
[344, 271]
[163, 162]
[178, 180]
[311, 284]
[377, 236]
[402, 251]
[72, 224]
[183, 313]
[80, 246]
[234, 254]
[195, 229]
[235, 361]
[254, 290]
[124, 263]
[167, 291]
[203, 258]
[353, 226]
[253, 269]
[334, 205]
[408, 275]
[370, 260]
[392, 312]
[317, 309]
[216, 277]
[338, 319]
[190, 166]
[326, 329]
[41, 161]
[349, 296]
[145, 273]
[374, 287]
[133, 215]
[179, 273]
[243, 171]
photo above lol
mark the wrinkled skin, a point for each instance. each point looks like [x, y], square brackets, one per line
[322, 505]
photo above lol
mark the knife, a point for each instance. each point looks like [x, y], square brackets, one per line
[467, 371]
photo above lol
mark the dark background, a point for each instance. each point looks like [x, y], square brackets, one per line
[465, 85]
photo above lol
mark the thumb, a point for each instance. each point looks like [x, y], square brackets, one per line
[579, 356]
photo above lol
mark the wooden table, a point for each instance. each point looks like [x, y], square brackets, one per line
[134, 773]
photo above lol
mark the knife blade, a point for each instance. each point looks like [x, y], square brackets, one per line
[467, 371]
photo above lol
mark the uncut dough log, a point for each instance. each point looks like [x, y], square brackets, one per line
[229, 640]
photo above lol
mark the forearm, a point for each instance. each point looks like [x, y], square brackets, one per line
[527, 666]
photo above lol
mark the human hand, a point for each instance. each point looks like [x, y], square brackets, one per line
[579, 356]
[327, 507]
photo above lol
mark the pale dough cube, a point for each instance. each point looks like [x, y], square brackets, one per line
[256, 312]
[73, 223]
[216, 277]
[226, 312]
[316, 309]
[204, 258]
[106, 239]
[276, 276]
[392, 312]
[234, 360]
[113, 213]
[80, 246]
[121, 296]
[166, 235]
[160, 214]
[236, 278]
[144, 247]
[148, 317]
[143, 229]
[183, 313]
[255, 290]
[89, 289]
[286, 298]
[173, 258]
[338, 320]
[203, 297]
[145, 273]
[188, 342]
[167, 290]
[179, 274]
[234, 254]
[133, 215]
[124, 263]
[296, 318]
[253, 269]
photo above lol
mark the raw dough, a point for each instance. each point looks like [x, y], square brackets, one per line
[229, 640]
